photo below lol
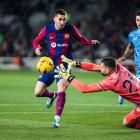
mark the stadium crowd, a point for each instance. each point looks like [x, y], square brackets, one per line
[111, 28]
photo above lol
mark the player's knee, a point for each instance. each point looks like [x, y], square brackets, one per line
[125, 123]
[62, 85]
[37, 93]
[62, 88]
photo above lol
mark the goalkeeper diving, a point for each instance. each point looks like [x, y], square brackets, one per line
[119, 80]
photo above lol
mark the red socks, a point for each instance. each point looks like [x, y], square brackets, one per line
[47, 93]
[60, 103]
[60, 100]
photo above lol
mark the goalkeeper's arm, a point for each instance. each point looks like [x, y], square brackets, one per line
[86, 88]
[65, 74]
[90, 66]
[86, 66]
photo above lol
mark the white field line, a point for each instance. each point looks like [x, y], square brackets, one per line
[124, 105]
[63, 112]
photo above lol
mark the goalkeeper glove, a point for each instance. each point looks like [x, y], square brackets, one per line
[63, 73]
[70, 62]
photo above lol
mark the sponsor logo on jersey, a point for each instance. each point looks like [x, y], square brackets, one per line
[135, 38]
[62, 45]
[53, 44]
[52, 37]
[67, 36]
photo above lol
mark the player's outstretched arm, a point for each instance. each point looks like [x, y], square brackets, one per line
[65, 74]
[86, 66]
[86, 88]
[94, 41]
[90, 66]
[82, 39]
[127, 52]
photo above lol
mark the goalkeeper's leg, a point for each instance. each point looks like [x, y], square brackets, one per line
[132, 119]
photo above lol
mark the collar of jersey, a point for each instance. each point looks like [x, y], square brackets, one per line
[58, 30]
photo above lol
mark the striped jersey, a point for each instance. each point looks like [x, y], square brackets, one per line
[59, 42]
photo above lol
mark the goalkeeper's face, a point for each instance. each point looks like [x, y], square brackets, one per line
[104, 70]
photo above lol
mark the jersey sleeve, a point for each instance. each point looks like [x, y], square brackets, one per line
[107, 84]
[39, 38]
[130, 39]
[80, 38]
[90, 66]
[86, 88]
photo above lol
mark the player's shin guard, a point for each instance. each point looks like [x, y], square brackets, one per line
[60, 103]
[47, 93]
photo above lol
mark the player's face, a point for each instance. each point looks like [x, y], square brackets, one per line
[104, 70]
[60, 21]
[138, 21]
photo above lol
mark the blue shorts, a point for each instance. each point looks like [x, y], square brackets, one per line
[48, 79]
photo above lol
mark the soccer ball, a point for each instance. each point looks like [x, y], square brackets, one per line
[45, 65]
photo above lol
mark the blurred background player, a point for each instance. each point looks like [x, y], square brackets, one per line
[134, 45]
[59, 42]
[119, 80]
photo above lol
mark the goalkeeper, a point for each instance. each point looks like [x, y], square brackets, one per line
[119, 80]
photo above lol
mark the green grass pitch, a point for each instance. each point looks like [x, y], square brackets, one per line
[92, 116]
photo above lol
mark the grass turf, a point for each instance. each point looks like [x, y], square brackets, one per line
[89, 116]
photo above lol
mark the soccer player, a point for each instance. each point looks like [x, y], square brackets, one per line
[59, 42]
[119, 80]
[134, 45]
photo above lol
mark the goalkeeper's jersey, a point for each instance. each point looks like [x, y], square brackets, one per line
[134, 39]
[59, 42]
[123, 83]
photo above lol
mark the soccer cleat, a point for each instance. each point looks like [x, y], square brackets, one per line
[120, 99]
[56, 121]
[50, 100]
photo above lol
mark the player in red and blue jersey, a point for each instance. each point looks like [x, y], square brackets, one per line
[119, 80]
[59, 42]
